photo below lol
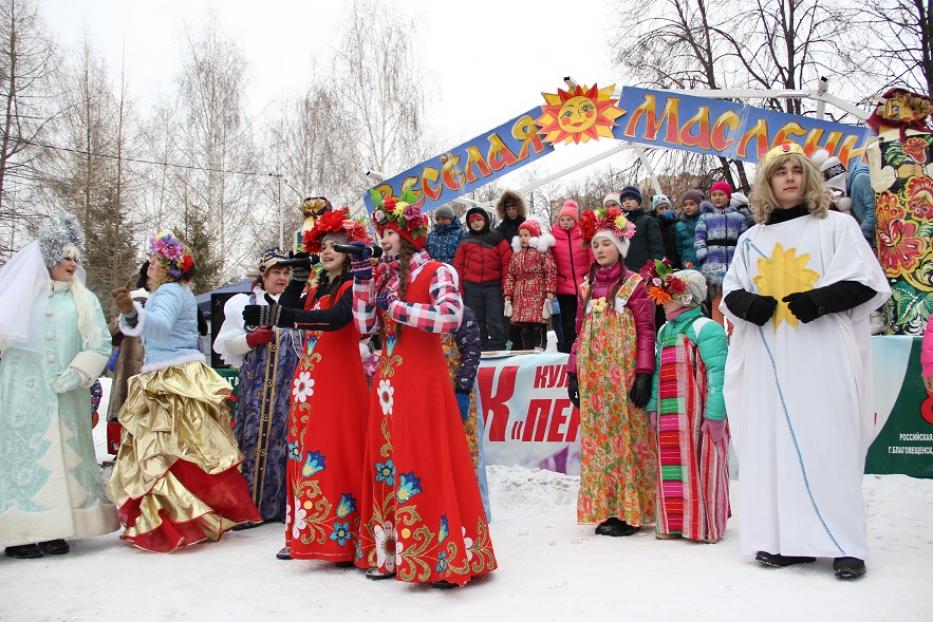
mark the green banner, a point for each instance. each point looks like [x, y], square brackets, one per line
[233, 377]
[905, 443]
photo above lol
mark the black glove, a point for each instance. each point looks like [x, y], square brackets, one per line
[573, 390]
[302, 272]
[268, 315]
[840, 296]
[751, 307]
[802, 306]
[641, 390]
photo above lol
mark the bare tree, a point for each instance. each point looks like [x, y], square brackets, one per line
[88, 177]
[378, 84]
[901, 42]
[216, 140]
[27, 67]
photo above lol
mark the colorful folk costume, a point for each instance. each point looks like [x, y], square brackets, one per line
[329, 401]
[614, 351]
[901, 171]
[688, 410]
[530, 285]
[54, 343]
[798, 381]
[267, 357]
[176, 480]
[464, 350]
[422, 515]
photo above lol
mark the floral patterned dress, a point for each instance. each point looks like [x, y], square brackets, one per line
[532, 276]
[326, 435]
[618, 461]
[422, 514]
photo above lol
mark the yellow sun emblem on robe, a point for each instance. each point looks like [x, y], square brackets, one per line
[784, 273]
[583, 113]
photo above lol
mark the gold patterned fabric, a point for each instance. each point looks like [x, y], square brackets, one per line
[177, 460]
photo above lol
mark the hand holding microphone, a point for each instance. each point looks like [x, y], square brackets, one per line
[360, 258]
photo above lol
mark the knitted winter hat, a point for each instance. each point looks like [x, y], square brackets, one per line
[738, 200]
[692, 195]
[834, 173]
[269, 258]
[612, 197]
[696, 287]
[722, 185]
[532, 226]
[541, 239]
[444, 211]
[660, 199]
[477, 213]
[571, 209]
[630, 192]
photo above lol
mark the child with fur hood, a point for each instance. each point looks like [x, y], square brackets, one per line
[511, 211]
[530, 284]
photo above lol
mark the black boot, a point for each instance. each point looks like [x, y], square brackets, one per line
[775, 560]
[605, 527]
[54, 547]
[443, 585]
[375, 574]
[23, 551]
[622, 529]
[284, 553]
[848, 567]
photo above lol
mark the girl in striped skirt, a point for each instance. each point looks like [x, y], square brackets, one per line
[687, 410]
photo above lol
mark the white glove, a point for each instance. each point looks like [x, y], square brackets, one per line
[68, 380]
[508, 309]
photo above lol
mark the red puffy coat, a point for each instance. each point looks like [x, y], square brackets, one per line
[482, 258]
[573, 259]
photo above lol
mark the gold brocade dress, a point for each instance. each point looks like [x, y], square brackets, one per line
[176, 480]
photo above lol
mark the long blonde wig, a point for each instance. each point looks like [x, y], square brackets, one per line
[814, 195]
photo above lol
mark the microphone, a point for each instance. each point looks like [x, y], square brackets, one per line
[375, 251]
[307, 261]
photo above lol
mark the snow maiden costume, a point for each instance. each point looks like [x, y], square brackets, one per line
[267, 357]
[54, 343]
[175, 479]
[798, 384]
[610, 369]
[422, 515]
[329, 400]
[688, 409]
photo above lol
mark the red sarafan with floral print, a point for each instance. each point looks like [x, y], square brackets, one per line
[326, 436]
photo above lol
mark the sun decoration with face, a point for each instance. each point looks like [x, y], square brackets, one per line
[579, 115]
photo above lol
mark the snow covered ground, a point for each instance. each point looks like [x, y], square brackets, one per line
[550, 569]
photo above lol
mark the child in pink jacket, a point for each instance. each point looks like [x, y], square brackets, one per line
[573, 259]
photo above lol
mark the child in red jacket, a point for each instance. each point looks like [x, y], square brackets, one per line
[530, 284]
[482, 261]
[573, 258]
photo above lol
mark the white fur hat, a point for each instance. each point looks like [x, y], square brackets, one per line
[540, 242]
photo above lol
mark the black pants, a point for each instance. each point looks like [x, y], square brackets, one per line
[530, 335]
[568, 321]
[488, 305]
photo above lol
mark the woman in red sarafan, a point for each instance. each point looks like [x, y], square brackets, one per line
[326, 427]
[422, 515]
[530, 284]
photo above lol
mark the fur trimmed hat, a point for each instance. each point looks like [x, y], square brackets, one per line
[509, 198]
[541, 240]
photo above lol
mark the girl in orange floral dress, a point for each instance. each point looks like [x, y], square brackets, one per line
[610, 369]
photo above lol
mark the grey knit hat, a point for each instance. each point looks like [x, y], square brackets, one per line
[692, 195]
[444, 211]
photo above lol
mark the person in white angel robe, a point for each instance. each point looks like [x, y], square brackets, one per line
[798, 384]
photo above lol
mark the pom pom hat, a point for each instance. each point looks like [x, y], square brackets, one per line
[570, 208]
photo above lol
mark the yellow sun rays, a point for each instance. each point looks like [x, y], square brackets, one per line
[582, 114]
[784, 273]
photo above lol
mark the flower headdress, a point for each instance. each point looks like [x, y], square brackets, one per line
[661, 284]
[336, 221]
[610, 220]
[402, 216]
[178, 263]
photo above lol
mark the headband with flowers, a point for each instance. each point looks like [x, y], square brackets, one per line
[171, 252]
[336, 221]
[661, 284]
[402, 216]
[610, 219]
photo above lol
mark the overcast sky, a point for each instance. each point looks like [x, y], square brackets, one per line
[485, 60]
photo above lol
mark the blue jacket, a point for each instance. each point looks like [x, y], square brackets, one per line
[443, 240]
[714, 239]
[169, 327]
[858, 188]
